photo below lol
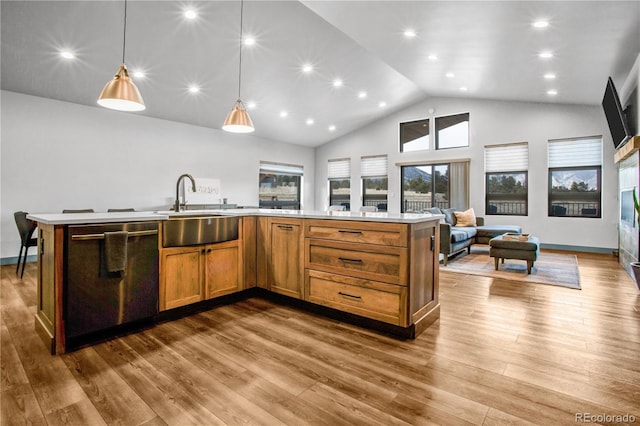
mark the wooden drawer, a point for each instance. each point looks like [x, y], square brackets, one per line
[389, 234]
[371, 299]
[379, 263]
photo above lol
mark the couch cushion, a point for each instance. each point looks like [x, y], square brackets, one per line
[449, 217]
[465, 218]
[459, 234]
[433, 210]
[490, 231]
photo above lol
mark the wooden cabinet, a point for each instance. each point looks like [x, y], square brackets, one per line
[223, 269]
[281, 255]
[194, 273]
[181, 277]
[382, 271]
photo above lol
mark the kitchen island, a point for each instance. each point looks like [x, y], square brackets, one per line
[379, 270]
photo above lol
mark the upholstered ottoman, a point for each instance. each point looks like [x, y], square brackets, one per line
[501, 248]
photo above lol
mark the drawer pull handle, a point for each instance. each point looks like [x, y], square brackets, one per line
[287, 227]
[345, 259]
[349, 295]
[350, 232]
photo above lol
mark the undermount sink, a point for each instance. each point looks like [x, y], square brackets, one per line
[188, 229]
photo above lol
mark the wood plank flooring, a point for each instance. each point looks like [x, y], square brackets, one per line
[503, 352]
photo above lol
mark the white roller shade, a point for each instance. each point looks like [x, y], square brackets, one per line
[375, 166]
[506, 158]
[281, 169]
[575, 152]
[339, 169]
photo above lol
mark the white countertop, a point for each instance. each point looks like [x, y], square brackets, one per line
[79, 218]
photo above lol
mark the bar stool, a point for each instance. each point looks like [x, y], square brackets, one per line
[26, 227]
[120, 210]
[77, 211]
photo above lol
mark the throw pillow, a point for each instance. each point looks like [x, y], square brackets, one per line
[465, 218]
[449, 217]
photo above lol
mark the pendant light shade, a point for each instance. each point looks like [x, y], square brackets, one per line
[238, 120]
[121, 93]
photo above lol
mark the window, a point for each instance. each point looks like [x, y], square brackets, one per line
[280, 186]
[575, 177]
[452, 131]
[414, 135]
[375, 181]
[425, 186]
[506, 173]
[339, 174]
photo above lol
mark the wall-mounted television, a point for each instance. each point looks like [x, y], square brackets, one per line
[615, 115]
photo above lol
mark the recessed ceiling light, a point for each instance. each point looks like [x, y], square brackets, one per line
[552, 92]
[362, 94]
[283, 114]
[540, 24]
[194, 89]
[463, 89]
[450, 75]
[309, 121]
[337, 82]
[409, 33]
[382, 104]
[549, 76]
[307, 68]
[190, 14]
[249, 41]
[67, 54]
[332, 128]
[138, 74]
[433, 57]
[251, 105]
[545, 55]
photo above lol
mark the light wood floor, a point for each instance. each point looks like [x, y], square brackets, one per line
[503, 352]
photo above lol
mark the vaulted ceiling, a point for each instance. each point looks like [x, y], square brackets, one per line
[476, 49]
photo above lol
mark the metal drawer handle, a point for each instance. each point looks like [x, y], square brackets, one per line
[101, 236]
[350, 232]
[287, 227]
[344, 259]
[349, 295]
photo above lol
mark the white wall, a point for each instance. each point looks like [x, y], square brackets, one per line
[492, 122]
[57, 155]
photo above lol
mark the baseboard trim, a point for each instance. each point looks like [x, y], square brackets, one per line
[602, 250]
[14, 260]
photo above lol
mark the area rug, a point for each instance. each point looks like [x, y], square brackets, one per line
[557, 269]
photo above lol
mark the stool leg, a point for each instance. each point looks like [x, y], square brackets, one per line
[19, 257]
[496, 259]
[529, 266]
[24, 261]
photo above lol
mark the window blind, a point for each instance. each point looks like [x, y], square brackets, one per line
[339, 169]
[506, 158]
[281, 169]
[374, 166]
[575, 152]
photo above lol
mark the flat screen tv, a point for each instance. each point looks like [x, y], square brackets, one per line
[615, 115]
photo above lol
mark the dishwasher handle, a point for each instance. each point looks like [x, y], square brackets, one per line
[84, 237]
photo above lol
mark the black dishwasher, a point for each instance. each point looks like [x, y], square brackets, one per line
[98, 302]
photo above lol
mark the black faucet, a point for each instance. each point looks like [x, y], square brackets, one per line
[176, 206]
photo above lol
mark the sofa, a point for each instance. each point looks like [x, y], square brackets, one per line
[454, 239]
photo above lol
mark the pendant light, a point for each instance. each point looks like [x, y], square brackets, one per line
[238, 120]
[121, 93]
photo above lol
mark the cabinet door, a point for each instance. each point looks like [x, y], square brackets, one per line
[223, 269]
[286, 255]
[181, 280]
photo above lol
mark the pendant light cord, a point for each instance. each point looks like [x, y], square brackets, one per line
[240, 66]
[124, 38]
